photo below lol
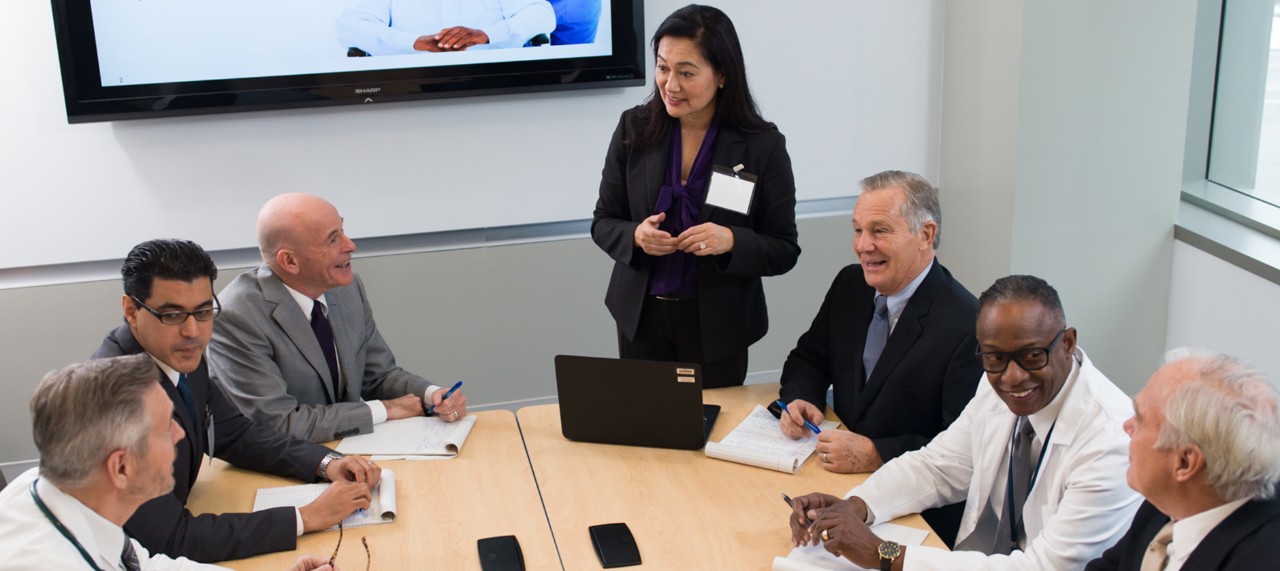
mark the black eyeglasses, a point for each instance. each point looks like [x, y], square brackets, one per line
[180, 317]
[368, 558]
[1032, 359]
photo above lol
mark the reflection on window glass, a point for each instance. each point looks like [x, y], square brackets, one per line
[1245, 147]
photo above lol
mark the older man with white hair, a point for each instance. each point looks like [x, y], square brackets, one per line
[106, 434]
[1205, 452]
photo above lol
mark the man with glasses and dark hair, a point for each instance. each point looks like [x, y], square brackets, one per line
[169, 308]
[1039, 453]
[106, 432]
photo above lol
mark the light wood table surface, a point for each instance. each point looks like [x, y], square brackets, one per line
[444, 506]
[686, 511]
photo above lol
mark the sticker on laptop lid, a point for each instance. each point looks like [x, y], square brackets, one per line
[680, 371]
[685, 380]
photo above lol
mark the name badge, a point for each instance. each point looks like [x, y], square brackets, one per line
[731, 189]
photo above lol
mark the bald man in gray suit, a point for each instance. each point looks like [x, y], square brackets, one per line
[269, 344]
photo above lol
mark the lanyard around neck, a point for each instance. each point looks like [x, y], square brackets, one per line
[61, 528]
[1015, 519]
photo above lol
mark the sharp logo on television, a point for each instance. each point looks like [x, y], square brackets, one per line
[364, 90]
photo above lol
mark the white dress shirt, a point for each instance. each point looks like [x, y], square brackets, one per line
[897, 302]
[29, 540]
[1190, 531]
[376, 409]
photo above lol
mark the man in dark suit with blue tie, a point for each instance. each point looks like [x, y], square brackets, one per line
[894, 338]
[1204, 450]
[169, 308]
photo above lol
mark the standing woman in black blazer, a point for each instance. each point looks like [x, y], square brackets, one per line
[686, 279]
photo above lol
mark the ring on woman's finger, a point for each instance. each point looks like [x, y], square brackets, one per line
[824, 535]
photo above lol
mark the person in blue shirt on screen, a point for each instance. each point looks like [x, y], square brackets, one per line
[385, 27]
[576, 21]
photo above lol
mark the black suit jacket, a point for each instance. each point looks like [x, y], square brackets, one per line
[164, 525]
[730, 294]
[1249, 539]
[926, 375]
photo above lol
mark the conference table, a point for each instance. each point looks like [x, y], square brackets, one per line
[444, 506]
[686, 511]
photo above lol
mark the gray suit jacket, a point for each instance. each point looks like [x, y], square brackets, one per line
[267, 357]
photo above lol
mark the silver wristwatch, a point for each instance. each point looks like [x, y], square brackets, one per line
[322, 471]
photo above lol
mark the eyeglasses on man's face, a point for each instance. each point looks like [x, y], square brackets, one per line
[179, 317]
[1030, 359]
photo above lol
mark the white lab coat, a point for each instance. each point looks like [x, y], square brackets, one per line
[1080, 503]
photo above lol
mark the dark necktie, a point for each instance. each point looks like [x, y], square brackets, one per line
[1015, 498]
[324, 334]
[129, 557]
[877, 336]
[184, 389]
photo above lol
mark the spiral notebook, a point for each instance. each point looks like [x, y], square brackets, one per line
[382, 508]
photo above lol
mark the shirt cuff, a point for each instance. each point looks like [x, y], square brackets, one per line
[377, 410]
[431, 390]
[297, 514]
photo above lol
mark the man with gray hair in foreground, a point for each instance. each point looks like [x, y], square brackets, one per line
[1205, 452]
[106, 436]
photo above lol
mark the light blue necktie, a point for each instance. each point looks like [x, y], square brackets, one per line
[877, 336]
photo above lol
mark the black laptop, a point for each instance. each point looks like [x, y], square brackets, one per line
[638, 403]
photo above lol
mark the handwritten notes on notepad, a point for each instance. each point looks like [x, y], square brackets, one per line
[414, 436]
[382, 508]
[758, 441]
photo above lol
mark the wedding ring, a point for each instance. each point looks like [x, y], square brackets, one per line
[702, 245]
[455, 415]
[824, 456]
[825, 537]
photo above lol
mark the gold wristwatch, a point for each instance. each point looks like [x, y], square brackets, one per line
[889, 551]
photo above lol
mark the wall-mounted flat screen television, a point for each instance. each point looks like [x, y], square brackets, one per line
[129, 59]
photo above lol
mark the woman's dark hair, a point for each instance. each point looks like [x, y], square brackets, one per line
[717, 41]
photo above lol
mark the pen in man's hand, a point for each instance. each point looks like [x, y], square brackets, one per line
[811, 425]
[432, 409]
[792, 503]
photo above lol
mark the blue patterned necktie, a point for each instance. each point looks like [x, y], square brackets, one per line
[184, 389]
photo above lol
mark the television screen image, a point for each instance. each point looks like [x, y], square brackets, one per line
[144, 58]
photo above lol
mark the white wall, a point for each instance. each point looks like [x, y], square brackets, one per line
[1216, 305]
[1084, 192]
[89, 192]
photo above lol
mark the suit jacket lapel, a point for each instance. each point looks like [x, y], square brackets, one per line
[1222, 539]
[296, 325]
[652, 169]
[908, 329]
[346, 341]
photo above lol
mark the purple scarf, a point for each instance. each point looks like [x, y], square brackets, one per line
[676, 273]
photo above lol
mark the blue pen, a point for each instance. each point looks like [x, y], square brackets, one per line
[811, 425]
[448, 394]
